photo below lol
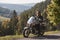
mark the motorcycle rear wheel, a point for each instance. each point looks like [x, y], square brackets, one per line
[42, 33]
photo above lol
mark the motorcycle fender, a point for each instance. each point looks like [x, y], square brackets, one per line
[26, 28]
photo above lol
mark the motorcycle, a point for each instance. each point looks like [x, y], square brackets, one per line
[28, 30]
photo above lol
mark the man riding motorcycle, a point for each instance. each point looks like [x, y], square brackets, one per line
[35, 21]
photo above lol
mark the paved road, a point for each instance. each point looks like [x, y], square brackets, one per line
[45, 37]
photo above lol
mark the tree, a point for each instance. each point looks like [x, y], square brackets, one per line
[13, 22]
[54, 12]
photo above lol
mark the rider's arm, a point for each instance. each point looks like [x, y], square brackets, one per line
[42, 18]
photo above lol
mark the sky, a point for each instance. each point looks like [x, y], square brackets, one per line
[20, 1]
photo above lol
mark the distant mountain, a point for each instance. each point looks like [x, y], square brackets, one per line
[4, 12]
[30, 4]
[17, 7]
[6, 9]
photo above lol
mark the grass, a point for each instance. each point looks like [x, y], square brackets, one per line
[10, 37]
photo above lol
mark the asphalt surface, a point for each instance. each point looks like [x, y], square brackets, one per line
[45, 37]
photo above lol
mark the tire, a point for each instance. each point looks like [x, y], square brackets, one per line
[26, 33]
[40, 34]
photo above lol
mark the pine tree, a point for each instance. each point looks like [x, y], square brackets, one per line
[13, 22]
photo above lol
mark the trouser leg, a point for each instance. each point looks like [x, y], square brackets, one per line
[38, 27]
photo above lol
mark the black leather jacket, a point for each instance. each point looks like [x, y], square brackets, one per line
[39, 19]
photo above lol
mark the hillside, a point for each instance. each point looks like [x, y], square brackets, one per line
[39, 6]
[5, 12]
[24, 16]
[3, 18]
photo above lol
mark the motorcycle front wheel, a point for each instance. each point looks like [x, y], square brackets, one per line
[26, 33]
